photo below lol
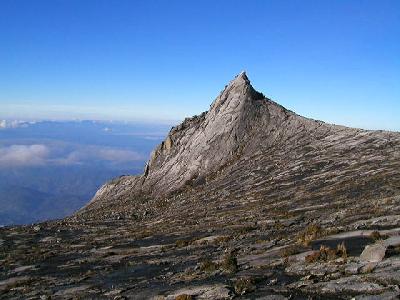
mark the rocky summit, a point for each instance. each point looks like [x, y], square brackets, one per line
[247, 200]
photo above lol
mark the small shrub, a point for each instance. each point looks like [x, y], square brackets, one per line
[331, 231]
[327, 254]
[208, 266]
[243, 286]
[310, 233]
[246, 229]
[184, 297]
[313, 257]
[341, 250]
[229, 263]
[278, 226]
[222, 239]
[260, 241]
[289, 251]
[181, 243]
[376, 235]
[162, 203]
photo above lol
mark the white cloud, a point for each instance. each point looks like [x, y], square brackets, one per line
[4, 124]
[52, 154]
[97, 153]
[118, 155]
[23, 155]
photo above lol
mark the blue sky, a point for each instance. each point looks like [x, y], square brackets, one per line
[164, 60]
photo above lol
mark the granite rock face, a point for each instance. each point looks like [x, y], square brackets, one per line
[242, 129]
[247, 200]
[202, 144]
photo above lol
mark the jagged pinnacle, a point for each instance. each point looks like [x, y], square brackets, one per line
[242, 75]
[237, 90]
[241, 78]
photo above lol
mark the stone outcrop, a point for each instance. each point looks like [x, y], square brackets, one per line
[202, 144]
[373, 253]
[241, 128]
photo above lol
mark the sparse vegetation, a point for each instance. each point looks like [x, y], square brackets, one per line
[208, 266]
[222, 239]
[182, 243]
[341, 250]
[243, 286]
[289, 251]
[246, 229]
[229, 263]
[376, 235]
[327, 254]
[184, 297]
[310, 233]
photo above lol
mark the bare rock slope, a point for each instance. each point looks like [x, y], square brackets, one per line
[247, 201]
[258, 144]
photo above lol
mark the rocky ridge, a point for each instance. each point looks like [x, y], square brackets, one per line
[247, 200]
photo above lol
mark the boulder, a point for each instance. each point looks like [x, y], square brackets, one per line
[373, 253]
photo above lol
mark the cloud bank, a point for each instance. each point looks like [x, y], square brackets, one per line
[40, 154]
[5, 124]
[96, 153]
[24, 155]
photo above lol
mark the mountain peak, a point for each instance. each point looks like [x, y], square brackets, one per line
[240, 80]
[203, 144]
[249, 143]
[236, 94]
[238, 120]
[241, 77]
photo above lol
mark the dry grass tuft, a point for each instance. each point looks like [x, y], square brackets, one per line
[310, 233]
[208, 266]
[229, 263]
[243, 286]
[327, 254]
[289, 251]
[376, 235]
[182, 243]
[184, 297]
